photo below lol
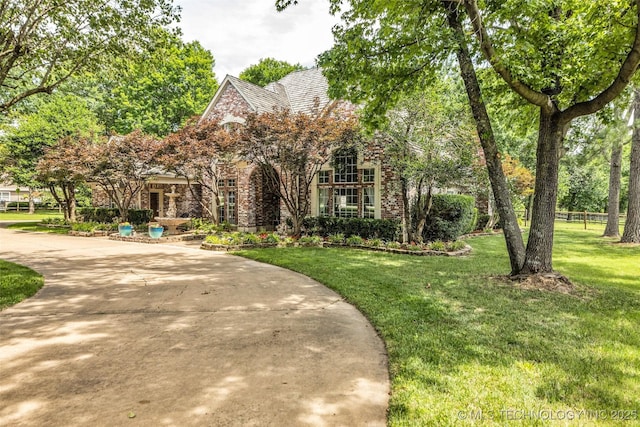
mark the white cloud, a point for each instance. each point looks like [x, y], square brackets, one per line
[241, 32]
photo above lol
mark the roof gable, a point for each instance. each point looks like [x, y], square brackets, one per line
[298, 91]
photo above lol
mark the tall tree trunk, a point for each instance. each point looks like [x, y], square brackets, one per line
[631, 233]
[32, 205]
[540, 244]
[511, 230]
[613, 209]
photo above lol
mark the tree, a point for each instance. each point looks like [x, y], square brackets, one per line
[384, 49]
[27, 138]
[268, 70]
[120, 166]
[616, 135]
[585, 187]
[158, 89]
[60, 170]
[194, 153]
[290, 148]
[631, 233]
[432, 147]
[45, 42]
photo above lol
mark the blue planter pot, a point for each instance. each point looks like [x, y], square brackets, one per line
[156, 232]
[125, 230]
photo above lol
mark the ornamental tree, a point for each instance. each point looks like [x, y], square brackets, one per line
[119, 166]
[195, 153]
[61, 170]
[290, 148]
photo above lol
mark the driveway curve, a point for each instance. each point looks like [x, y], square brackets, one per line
[159, 335]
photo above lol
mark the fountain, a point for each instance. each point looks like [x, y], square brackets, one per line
[170, 222]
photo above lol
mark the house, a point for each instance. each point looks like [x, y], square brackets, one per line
[10, 192]
[366, 185]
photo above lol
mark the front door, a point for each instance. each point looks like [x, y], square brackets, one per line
[154, 203]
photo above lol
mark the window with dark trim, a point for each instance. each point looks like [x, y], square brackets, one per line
[345, 163]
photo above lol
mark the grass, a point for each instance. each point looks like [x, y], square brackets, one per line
[37, 227]
[467, 348]
[25, 216]
[17, 283]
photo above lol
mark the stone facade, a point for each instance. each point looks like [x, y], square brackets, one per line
[376, 195]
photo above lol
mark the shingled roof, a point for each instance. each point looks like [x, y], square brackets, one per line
[297, 92]
[303, 88]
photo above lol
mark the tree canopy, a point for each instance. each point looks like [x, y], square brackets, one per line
[43, 43]
[28, 135]
[566, 58]
[268, 70]
[158, 89]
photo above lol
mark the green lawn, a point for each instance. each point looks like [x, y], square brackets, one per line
[25, 216]
[36, 226]
[469, 348]
[17, 283]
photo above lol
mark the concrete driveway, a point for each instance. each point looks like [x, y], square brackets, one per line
[158, 335]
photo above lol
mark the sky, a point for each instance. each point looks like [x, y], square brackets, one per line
[240, 32]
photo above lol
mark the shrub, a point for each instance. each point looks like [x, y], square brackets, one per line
[374, 243]
[438, 245]
[271, 238]
[84, 226]
[336, 238]
[456, 246]
[202, 226]
[54, 221]
[355, 241]
[393, 245]
[107, 215]
[310, 240]
[216, 239]
[251, 239]
[451, 215]
[367, 228]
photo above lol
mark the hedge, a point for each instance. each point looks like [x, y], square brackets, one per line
[107, 215]
[451, 216]
[367, 228]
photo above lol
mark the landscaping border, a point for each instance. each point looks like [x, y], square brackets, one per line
[427, 252]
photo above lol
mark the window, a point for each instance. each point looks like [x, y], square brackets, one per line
[231, 207]
[323, 201]
[323, 177]
[231, 183]
[221, 216]
[346, 168]
[5, 195]
[368, 175]
[368, 203]
[345, 202]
